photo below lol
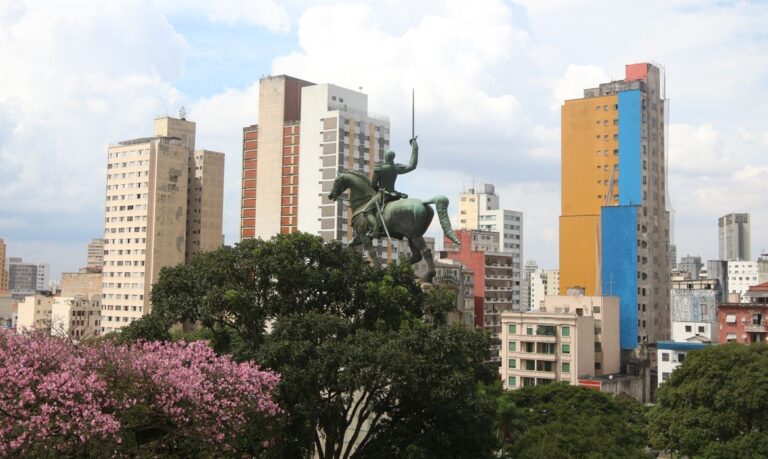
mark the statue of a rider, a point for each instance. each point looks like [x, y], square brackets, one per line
[384, 177]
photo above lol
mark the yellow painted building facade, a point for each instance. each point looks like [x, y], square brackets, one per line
[589, 165]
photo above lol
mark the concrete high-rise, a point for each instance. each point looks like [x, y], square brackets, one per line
[734, 237]
[306, 134]
[525, 289]
[27, 278]
[479, 209]
[614, 223]
[3, 271]
[149, 214]
[270, 186]
[95, 258]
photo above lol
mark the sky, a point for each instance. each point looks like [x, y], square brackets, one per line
[489, 76]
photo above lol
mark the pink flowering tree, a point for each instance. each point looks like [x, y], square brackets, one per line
[58, 399]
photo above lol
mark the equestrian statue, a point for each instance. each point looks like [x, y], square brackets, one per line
[378, 210]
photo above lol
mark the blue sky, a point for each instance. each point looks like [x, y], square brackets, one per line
[226, 56]
[490, 77]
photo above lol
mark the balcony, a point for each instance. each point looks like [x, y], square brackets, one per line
[534, 338]
[534, 356]
[756, 329]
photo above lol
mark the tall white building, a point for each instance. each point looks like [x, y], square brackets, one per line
[337, 132]
[544, 282]
[741, 276]
[147, 216]
[479, 209]
[525, 289]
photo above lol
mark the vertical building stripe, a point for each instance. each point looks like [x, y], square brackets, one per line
[630, 147]
[619, 267]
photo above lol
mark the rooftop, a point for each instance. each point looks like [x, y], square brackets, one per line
[678, 346]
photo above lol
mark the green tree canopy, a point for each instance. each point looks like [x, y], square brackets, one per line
[559, 420]
[367, 367]
[715, 404]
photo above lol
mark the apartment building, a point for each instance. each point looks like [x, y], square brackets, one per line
[734, 238]
[741, 276]
[34, 313]
[156, 214]
[568, 338]
[544, 282]
[671, 354]
[95, 257]
[306, 134]
[3, 271]
[27, 278]
[745, 322]
[495, 279]
[694, 309]
[614, 223]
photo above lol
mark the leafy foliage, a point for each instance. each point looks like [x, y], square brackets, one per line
[715, 404]
[558, 420]
[367, 367]
[148, 398]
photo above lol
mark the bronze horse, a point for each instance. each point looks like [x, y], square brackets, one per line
[404, 218]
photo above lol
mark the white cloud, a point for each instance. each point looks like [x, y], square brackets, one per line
[270, 14]
[77, 75]
[576, 79]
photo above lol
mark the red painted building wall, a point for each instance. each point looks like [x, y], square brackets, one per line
[474, 260]
[747, 322]
[636, 72]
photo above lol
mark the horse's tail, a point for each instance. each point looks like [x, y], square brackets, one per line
[441, 203]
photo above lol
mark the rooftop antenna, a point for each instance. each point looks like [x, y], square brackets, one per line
[183, 113]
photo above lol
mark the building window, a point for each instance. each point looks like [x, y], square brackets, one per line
[512, 346]
[530, 365]
[566, 348]
[547, 348]
[512, 328]
[529, 382]
[730, 318]
[665, 356]
[512, 363]
[664, 376]
[566, 367]
[566, 331]
[730, 338]
[529, 330]
[512, 381]
[546, 330]
[701, 329]
[687, 328]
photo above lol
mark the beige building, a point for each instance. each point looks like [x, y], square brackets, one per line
[543, 282]
[95, 259]
[206, 202]
[152, 200]
[568, 338]
[3, 269]
[87, 284]
[34, 313]
[76, 317]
